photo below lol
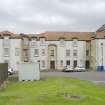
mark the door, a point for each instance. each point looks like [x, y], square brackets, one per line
[75, 63]
[87, 64]
[52, 57]
[52, 64]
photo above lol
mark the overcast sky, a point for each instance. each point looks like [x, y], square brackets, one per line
[30, 16]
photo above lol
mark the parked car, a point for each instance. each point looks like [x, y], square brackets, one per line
[79, 69]
[68, 69]
[10, 71]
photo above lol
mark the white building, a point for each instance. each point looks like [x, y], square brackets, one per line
[98, 52]
[54, 50]
[10, 49]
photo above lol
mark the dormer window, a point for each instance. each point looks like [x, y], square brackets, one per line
[34, 38]
[6, 42]
[33, 42]
[62, 41]
[26, 42]
[42, 41]
[75, 42]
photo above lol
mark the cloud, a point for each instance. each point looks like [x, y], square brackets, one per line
[30, 16]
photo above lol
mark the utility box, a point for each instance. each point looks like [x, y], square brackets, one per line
[29, 71]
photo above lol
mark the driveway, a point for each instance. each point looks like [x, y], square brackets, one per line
[97, 77]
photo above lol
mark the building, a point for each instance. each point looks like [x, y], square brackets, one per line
[10, 49]
[54, 50]
[98, 51]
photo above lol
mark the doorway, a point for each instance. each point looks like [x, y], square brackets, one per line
[52, 64]
[87, 64]
[75, 63]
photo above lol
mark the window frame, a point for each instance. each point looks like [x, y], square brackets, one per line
[36, 54]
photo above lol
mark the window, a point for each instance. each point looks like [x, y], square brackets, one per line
[33, 43]
[6, 51]
[62, 41]
[101, 44]
[75, 53]
[26, 52]
[52, 52]
[61, 62]
[75, 63]
[36, 52]
[67, 53]
[16, 51]
[75, 44]
[87, 52]
[68, 62]
[43, 63]
[26, 42]
[43, 52]
[6, 43]
[42, 41]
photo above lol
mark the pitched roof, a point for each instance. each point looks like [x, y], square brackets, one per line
[100, 35]
[10, 34]
[67, 35]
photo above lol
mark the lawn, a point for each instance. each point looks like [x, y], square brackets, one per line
[53, 91]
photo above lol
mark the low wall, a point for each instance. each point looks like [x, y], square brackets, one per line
[3, 72]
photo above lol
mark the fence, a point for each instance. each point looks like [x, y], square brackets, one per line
[3, 72]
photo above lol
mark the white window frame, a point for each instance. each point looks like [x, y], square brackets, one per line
[62, 41]
[33, 43]
[75, 43]
[6, 43]
[6, 52]
[36, 52]
[61, 63]
[26, 41]
[42, 41]
[17, 51]
[43, 52]
[67, 52]
[75, 53]
[43, 63]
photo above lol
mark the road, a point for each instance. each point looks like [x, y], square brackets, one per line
[91, 76]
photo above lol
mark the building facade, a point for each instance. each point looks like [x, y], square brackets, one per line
[54, 50]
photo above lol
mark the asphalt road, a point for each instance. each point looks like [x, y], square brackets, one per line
[97, 77]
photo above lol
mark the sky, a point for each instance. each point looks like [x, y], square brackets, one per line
[35, 16]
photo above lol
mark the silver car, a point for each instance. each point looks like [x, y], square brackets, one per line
[79, 69]
[68, 69]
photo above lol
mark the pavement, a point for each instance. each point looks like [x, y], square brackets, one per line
[97, 77]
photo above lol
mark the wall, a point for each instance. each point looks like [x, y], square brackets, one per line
[100, 52]
[93, 55]
[61, 53]
[15, 59]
